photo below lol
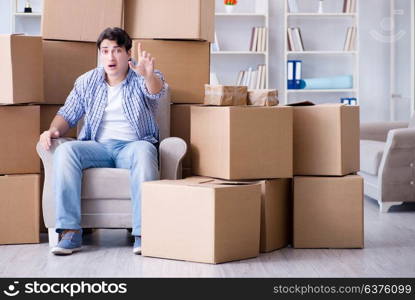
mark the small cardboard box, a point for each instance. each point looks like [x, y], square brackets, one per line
[328, 212]
[326, 139]
[241, 142]
[185, 65]
[79, 20]
[265, 97]
[19, 134]
[21, 77]
[63, 63]
[47, 114]
[180, 127]
[173, 19]
[200, 219]
[225, 95]
[19, 209]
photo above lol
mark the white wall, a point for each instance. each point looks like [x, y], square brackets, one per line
[5, 16]
[374, 61]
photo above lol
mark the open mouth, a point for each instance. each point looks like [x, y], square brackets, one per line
[112, 66]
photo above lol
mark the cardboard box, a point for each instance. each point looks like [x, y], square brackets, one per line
[19, 134]
[47, 114]
[239, 142]
[185, 65]
[79, 20]
[264, 97]
[63, 63]
[275, 214]
[173, 19]
[225, 95]
[328, 212]
[326, 139]
[21, 76]
[19, 209]
[199, 219]
[180, 127]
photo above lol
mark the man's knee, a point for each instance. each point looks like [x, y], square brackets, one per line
[143, 150]
[67, 151]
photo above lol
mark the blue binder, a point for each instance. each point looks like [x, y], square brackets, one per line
[349, 101]
[294, 74]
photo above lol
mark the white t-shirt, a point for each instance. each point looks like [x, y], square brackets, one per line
[114, 125]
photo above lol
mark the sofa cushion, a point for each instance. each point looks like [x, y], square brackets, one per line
[370, 156]
[106, 183]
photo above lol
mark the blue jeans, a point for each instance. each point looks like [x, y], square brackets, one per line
[71, 158]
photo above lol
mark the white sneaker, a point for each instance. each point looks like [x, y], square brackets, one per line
[137, 245]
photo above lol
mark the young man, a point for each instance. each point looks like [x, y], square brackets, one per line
[118, 102]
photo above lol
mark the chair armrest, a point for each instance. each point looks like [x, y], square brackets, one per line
[47, 155]
[378, 131]
[396, 171]
[171, 151]
[48, 203]
[401, 138]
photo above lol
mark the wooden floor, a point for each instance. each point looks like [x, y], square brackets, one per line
[389, 252]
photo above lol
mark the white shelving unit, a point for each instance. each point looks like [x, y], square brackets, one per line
[28, 23]
[235, 56]
[335, 17]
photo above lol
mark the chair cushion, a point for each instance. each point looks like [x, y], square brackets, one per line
[371, 155]
[106, 183]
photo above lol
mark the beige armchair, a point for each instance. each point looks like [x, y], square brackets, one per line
[387, 153]
[105, 196]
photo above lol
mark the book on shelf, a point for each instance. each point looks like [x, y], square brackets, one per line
[252, 82]
[264, 39]
[258, 78]
[258, 39]
[290, 41]
[215, 45]
[213, 78]
[352, 46]
[251, 43]
[350, 41]
[353, 6]
[292, 6]
[349, 6]
[263, 77]
[248, 77]
[253, 79]
[239, 78]
[295, 40]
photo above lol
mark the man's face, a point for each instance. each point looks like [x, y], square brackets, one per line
[114, 58]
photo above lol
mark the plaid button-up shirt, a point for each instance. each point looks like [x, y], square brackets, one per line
[89, 97]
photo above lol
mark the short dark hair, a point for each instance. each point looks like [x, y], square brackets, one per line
[115, 34]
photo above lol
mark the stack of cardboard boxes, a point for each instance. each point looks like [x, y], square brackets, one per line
[69, 46]
[20, 84]
[328, 196]
[178, 34]
[251, 209]
[247, 210]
